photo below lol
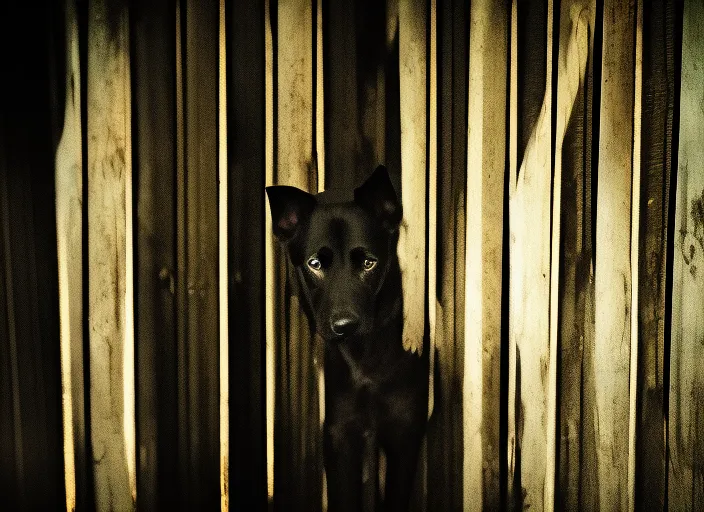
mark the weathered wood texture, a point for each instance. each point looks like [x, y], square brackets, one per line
[445, 431]
[297, 433]
[199, 345]
[656, 166]
[572, 65]
[529, 280]
[486, 159]
[69, 234]
[109, 251]
[613, 266]
[686, 412]
[357, 57]
[527, 250]
[153, 73]
[412, 236]
[245, 149]
[576, 436]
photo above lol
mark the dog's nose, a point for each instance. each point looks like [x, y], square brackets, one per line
[344, 324]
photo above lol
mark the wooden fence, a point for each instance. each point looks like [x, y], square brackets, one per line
[550, 160]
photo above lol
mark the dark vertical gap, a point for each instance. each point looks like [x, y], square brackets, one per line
[670, 249]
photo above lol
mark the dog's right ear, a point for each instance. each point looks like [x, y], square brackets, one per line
[290, 207]
[378, 196]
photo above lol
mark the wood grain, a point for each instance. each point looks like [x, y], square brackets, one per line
[486, 166]
[529, 293]
[109, 255]
[656, 164]
[613, 261]
[412, 235]
[686, 414]
[69, 235]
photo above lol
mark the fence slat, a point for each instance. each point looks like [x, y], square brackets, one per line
[298, 470]
[445, 435]
[154, 56]
[572, 61]
[576, 443]
[269, 254]
[486, 159]
[223, 265]
[656, 158]
[200, 257]
[109, 257]
[246, 133]
[412, 239]
[613, 246]
[69, 234]
[686, 413]
[529, 281]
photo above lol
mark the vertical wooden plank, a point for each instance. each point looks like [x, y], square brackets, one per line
[634, 256]
[223, 295]
[613, 245]
[512, 431]
[412, 235]
[69, 237]
[299, 469]
[529, 299]
[573, 157]
[201, 254]
[269, 252]
[432, 201]
[486, 159]
[686, 420]
[656, 157]
[445, 431]
[153, 73]
[181, 274]
[341, 109]
[247, 299]
[109, 257]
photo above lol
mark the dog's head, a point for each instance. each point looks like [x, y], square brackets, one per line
[343, 249]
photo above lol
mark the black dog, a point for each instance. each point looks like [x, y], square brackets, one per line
[343, 250]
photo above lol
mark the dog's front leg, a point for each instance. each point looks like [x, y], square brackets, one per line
[401, 464]
[343, 449]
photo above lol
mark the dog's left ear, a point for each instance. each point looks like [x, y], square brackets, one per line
[290, 207]
[378, 196]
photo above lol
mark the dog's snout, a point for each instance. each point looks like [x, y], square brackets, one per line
[344, 324]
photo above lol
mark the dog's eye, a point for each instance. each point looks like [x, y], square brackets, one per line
[369, 263]
[314, 263]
